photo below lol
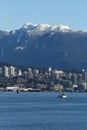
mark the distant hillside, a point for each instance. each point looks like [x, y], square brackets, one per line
[44, 45]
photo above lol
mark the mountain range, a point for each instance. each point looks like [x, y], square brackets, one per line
[43, 45]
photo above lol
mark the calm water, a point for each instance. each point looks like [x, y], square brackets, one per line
[42, 111]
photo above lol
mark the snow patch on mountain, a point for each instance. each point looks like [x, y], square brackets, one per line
[61, 28]
[13, 32]
[29, 26]
[40, 29]
[36, 29]
[20, 48]
[7, 32]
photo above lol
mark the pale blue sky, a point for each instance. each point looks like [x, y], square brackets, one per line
[15, 13]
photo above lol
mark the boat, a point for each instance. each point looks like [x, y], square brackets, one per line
[17, 90]
[62, 95]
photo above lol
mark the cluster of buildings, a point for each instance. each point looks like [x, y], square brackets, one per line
[32, 79]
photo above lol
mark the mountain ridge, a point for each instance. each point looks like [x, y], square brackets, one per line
[43, 45]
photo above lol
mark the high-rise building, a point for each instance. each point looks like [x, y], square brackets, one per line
[84, 79]
[75, 78]
[36, 72]
[30, 74]
[6, 71]
[49, 70]
[19, 72]
[12, 70]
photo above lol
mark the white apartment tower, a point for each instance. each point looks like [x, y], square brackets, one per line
[9, 71]
[6, 71]
[30, 74]
[12, 70]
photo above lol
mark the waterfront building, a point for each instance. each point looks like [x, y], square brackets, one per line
[75, 87]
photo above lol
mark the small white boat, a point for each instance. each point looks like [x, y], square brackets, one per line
[62, 95]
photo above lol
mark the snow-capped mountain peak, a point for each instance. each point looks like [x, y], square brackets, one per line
[43, 45]
[62, 28]
[39, 26]
[29, 26]
[36, 29]
[40, 29]
[43, 26]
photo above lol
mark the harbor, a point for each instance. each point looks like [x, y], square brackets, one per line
[43, 111]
